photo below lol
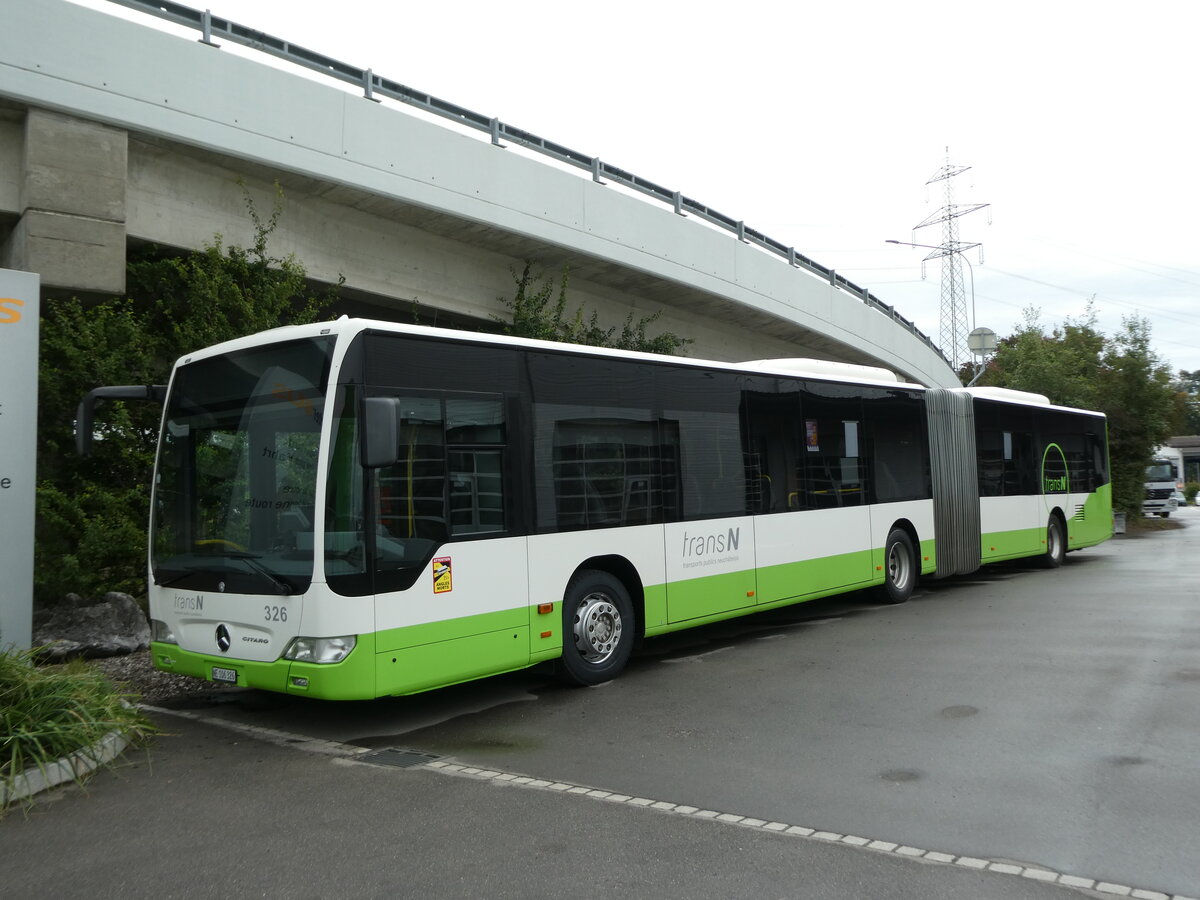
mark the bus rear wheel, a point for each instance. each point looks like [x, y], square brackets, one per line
[899, 567]
[598, 628]
[1056, 544]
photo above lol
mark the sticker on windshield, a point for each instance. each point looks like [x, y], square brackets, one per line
[442, 582]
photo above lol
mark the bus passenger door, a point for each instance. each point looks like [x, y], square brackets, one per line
[710, 567]
[825, 545]
[718, 487]
[451, 578]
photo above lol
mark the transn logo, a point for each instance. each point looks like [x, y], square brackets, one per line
[9, 315]
[1055, 485]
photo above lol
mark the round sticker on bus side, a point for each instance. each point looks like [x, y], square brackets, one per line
[442, 581]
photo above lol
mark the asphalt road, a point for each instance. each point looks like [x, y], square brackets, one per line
[1046, 718]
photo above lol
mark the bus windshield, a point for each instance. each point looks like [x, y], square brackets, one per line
[237, 464]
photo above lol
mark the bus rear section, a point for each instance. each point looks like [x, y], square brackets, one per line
[1043, 476]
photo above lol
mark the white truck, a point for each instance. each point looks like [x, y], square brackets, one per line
[1162, 482]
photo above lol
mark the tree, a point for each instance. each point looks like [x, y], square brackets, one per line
[1063, 365]
[92, 512]
[1121, 376]
[1187, 386]
[537, 312]
[1140, 404]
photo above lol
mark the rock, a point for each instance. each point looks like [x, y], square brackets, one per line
[114, 626]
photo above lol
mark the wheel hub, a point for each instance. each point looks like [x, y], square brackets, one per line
[897, 564]
[597, 628]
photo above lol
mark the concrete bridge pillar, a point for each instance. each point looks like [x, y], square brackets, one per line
[72, 189]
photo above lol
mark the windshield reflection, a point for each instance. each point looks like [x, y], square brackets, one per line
[234, 498]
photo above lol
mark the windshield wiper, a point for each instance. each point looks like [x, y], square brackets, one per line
[250, 559]
[175, 579]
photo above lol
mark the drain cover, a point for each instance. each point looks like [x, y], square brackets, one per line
[400, 759]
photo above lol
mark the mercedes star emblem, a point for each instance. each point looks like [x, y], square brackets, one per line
[223, 639]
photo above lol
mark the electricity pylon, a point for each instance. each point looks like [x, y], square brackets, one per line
[954, 322]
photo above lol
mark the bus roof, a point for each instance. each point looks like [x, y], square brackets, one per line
[825, 370]
[820, 369]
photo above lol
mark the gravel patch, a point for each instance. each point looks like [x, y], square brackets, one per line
[136, 674]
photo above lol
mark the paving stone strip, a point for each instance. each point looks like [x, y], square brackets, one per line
[347, 753]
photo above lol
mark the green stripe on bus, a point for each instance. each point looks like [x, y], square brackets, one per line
[444, 663]
[818, 576]
[997, 545]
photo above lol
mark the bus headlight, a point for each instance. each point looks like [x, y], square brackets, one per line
[161, 632]
[320, 650]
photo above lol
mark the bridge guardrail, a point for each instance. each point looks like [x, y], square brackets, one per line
[211, 26]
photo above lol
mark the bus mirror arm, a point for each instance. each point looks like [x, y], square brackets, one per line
[85, 415]
[381, 432]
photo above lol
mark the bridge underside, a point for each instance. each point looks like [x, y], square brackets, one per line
[113, 134]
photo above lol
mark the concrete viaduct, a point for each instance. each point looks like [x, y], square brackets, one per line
[114, 133]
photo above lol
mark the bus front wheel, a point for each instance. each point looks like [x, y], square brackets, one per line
[900, 567]
[598, 628]
[1056, 543]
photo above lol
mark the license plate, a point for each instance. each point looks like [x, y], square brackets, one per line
[226, 675]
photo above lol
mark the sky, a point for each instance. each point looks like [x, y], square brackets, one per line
[820, 123]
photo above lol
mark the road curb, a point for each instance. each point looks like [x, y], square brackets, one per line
[69, 768]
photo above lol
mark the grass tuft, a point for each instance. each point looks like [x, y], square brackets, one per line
[51, 712]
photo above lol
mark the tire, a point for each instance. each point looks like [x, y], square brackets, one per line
[900, 568]
[1165, 515]
[1056, 544]
[599, 627]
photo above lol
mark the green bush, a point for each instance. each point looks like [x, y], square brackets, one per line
[92, 512]
[537, 313]
[1190, 489]
[49, 712]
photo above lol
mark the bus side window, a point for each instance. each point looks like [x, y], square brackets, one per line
[896, 422]
[410, 495]
[774, 462]
[475, 439]
[832, 414]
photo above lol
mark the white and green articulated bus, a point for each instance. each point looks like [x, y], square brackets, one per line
[358, 509]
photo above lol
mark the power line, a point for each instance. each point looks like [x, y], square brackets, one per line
[1137, 307]
[1109, 258]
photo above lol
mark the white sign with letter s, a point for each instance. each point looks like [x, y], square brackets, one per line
[19, 318]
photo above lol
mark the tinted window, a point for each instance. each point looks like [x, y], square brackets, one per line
[448, 483]
[1009, 464]
[419, 362]
[601, 457]
[775, 466]
[896, 451]
[833, 462]
[1081, 439]
[719, 476]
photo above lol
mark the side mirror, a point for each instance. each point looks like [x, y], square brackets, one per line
[85, 414]
[380, 432]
